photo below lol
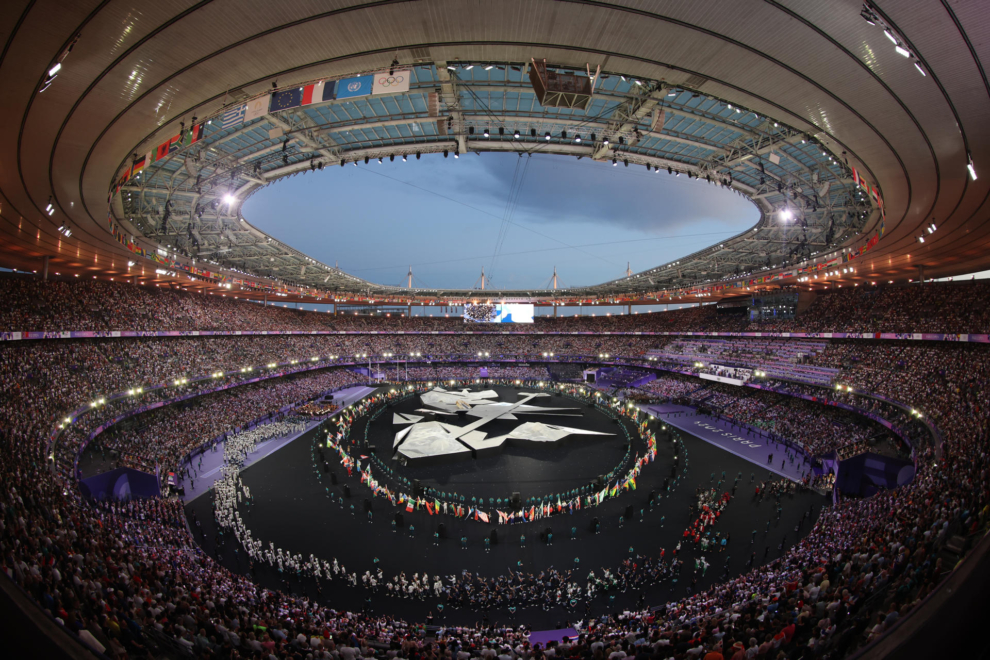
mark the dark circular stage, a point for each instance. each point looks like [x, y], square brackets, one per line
[532, 471]
[299, 508]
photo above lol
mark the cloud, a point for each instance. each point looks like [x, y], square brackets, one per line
[556, 189]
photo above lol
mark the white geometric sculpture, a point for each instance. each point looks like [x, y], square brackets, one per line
[431, 439]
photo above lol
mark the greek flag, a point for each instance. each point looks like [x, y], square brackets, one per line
[232, 117]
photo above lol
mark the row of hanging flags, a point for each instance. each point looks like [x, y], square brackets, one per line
[392, 82]
[434, 506]
[384, 82]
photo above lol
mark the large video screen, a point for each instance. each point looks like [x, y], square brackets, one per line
[498, 313]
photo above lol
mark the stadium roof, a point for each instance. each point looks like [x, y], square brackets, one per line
[851, 127]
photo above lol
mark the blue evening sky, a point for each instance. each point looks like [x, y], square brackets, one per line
[444, 218]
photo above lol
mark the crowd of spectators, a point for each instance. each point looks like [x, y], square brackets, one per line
[30, 304]
[130, 578]
[162, 437]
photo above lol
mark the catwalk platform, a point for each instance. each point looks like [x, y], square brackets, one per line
[742, 440]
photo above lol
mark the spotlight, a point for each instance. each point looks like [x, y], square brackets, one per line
[391, 158]
[614, 162]
[403, 158]
[515, 134]
[379, 160]
[547, 136]
[532, 132]
[486, 133]
[417, 155]
[563, 135]
[605, 140]
[577, 138]
[970, 167]
[444, 153]
[365, 160]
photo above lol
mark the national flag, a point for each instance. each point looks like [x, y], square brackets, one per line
[286, 99]
[391, 82]
[256, 108]
[168, 146]
[409, 506]
[352, 87]
[532, 513]
[194, 135]
[232, 117]
[502, 517]
[633, 483]
[318, 92]
[429, 507]
[483, 516]
[857, 179]
[138, 165]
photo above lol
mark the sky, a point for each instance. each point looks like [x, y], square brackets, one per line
[515, 217]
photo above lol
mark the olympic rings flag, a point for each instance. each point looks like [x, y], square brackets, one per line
[391, 82]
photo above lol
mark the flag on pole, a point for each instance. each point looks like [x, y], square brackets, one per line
[391, 82]
[194, 135]
[352, 87]
[257, 108]
[318, 92]
[409, 506]
[483, 516]
[233, 117]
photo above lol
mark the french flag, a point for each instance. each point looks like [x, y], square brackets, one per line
[318, 92]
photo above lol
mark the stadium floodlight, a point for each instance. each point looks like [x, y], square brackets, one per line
[515, 134]
[890, 36]
[902, 51]
[970, 167]
[547, 136]
[229, 199]
[486, 133]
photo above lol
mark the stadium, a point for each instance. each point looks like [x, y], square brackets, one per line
[238, 422]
